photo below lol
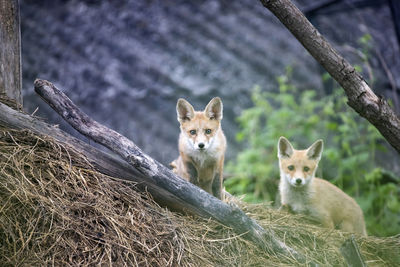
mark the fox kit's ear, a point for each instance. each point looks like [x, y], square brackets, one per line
[184, 110]
[285, 149]
[213, 109]
[315, 150]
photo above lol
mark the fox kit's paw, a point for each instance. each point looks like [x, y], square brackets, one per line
[173, 165]
[285, 208]
[231, 199]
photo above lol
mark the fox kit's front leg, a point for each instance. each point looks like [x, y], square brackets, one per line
[192, 173]
[206, 177]
[217, 185]
[218, 180]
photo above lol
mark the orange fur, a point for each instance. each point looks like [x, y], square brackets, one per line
[203, 166]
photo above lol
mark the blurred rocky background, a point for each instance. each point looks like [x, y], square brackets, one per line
[126, 62]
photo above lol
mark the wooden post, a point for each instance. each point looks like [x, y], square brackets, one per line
[10, 53]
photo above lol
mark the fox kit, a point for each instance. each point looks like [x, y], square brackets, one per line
[202, 146]
[302, 193]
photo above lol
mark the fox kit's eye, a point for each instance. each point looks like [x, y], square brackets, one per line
[290, 167]
[208, 131]
[192, 132]
[306, 169]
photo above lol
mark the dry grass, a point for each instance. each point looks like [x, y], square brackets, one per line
[56, 210]
[10, 102]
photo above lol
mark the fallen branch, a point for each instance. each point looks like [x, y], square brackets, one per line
[360, 96]
[351, 252]
[191, 198]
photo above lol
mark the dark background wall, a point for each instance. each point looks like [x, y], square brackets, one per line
[125, 63]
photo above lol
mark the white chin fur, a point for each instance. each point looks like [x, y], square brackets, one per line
[201, 155]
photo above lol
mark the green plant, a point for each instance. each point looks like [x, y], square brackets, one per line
[351, 145]
[381, 202]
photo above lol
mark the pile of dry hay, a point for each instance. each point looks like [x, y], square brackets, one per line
[55, 209]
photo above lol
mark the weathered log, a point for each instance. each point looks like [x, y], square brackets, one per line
[360, 96]
[189, 198]
[10, 52]
[351, 253]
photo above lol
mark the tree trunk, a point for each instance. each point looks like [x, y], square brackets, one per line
[165, 185]
[10, 53]
[360, 96]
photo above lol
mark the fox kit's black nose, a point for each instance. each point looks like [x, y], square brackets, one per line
[298, 181]
[201, 145]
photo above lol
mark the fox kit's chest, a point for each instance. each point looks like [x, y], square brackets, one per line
[203, 159]
[298, 200]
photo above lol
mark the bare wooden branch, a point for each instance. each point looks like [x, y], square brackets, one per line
[10, 52]
[360, 96]
[189, 198]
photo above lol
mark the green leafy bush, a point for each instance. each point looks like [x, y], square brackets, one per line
[351, 146]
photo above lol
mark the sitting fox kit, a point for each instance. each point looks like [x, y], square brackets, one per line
[302, 193]
[202, 146]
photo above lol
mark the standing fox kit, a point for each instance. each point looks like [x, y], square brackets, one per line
[302, 193]
[202, 146]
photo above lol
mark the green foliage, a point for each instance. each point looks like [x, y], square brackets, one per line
[366, 46]
[351, 145]
[381, 202]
